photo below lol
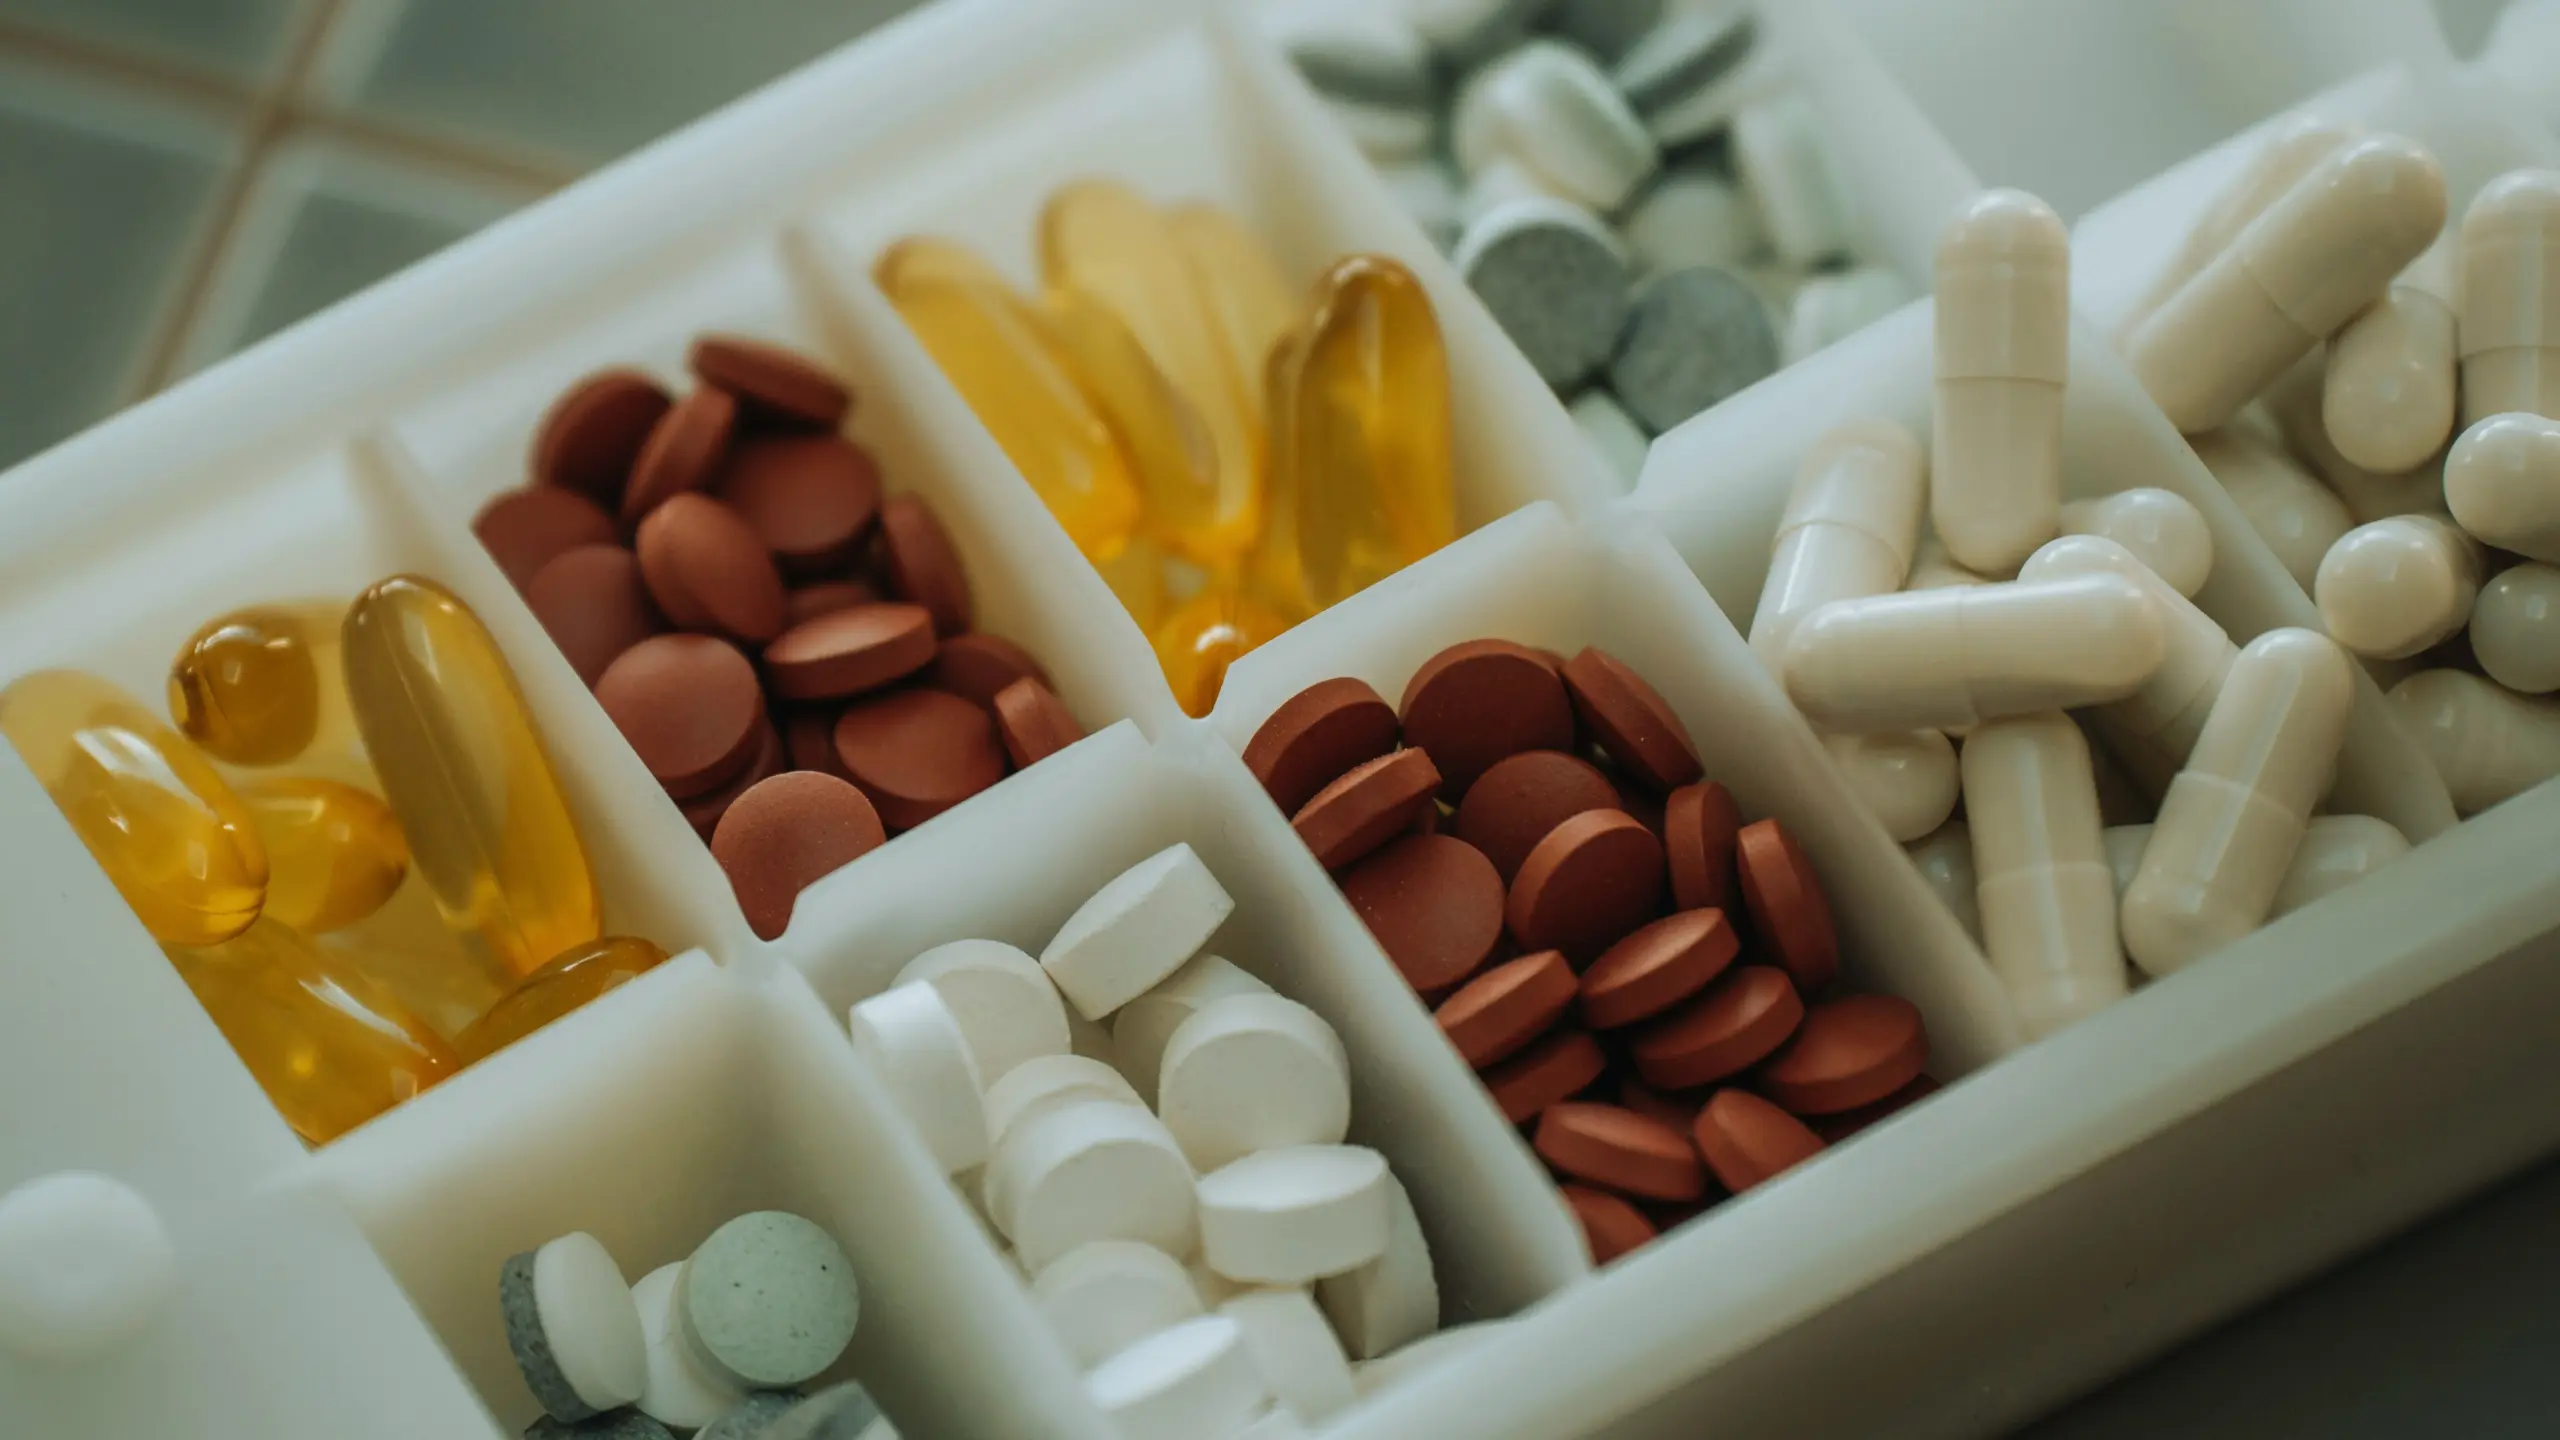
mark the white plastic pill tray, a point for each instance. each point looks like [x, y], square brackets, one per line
[2060, 1214]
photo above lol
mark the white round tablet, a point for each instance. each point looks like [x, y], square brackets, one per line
[1292, 1215]
[1135, 931]
[1003, 1000]
[1103, 1297]
[914, 1044]
[1141, 1028]
[679, 1390]
[1548, 106]
[1095, 1170]
[1788, 168]
[1038, 1086]
[1190, 1382]
[590, 1322]
[84, 1265]
[1393, 1300]
[1250, 1072]
[1296, 1351]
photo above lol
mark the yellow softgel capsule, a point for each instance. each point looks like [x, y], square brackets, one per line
[1159, 432]
[259, 686]
[331, 1048]
[1136, 575]
[178, 844]
[1241, 288]
[569, 981]
[335, 853]
[1276, 571]
[1206, 634]
[463, 767]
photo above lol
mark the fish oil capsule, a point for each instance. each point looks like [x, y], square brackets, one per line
[2488, 743]
[1163, 438]
[2163, 529]
[2297, 516]
[2003, 355]
[2286, 157]
[335, 854]
[1206, 634]
[2047, 901]
[172, 836]
[2502, 482]
[2515, 628]
[2388, 400]
[260, 686]
[2169, 709]
[2511, 297]
[464, 769]
[569, 980]
[1240, 285]
[2322, 251]
[2230, 824]
[1136, 576]
[2395, 587]
[1848, 530]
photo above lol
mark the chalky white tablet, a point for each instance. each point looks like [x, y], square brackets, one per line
[85, 1265]
[1425, 1353]
[1213, 1288]
[681, 1390]
[1830, 308]
[1683, 74]
[1038, 1086]
[1851, 522]
[1554, 277]
[2336, 852]
[1906, 779]
[769, 1300]
[1497, 183]
[1095, 1170]
[1295, 1214]
[1296, 1350]
[1693, 337]
[1549, 107]
[1613, 433]
[2388, 400]
[1007, 1009]
[1105, 1296]
[1944, 858]
[915, 1045]
[752, 1416]
[1090, 1038]
[1193, 1381]
[2296, 515]
[573, 1328]
[2502, 483]
[1392, 1300]
[1690, 216]
[2510, 320]
[2048, 901]
[1135, 931]
[2002, 354]
[839, 1412]
[1353, 50]
[1141, 1028]
[2489, 743]
[2170, 707]
[1249, 1072]
[2395, 587]
[1788, 169]
[2515, 628]
[2163, 529]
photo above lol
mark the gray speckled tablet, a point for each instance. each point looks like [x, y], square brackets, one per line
[1686, 53]
[769, 1300]
[531, 1347]
[1695, 336]
[1554, 277]
[1606, 28]
[753, 1416]
[620, 1425]
[839, 1412]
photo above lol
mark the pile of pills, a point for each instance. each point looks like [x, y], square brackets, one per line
[717, 1343]
[1639, 192]
[1177, 1190]
[778, 638]
[1229, 459]
[1576, 930]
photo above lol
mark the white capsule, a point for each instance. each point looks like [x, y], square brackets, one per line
[2502, 482]
[2489, 743]
[1549, 107]
[2003, 352]
[1906, 779]
[2511, 296]
[2395, 587]
[2389, 398]
[2515, 628]
[2336, 851]
[2285, 157]
[1848, 530]
[2325, 249]
[2162, 528]
[1944, 858]
[2295, 400]
[2230, 824]
[1932, 568]
[2170, 707]
[2124, 853]
[2297, 516]
[2048, 905]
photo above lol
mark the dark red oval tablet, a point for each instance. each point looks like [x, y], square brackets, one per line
[775, 382]
[922, 563]
[917, 753]
[1514, 805]
[689, 705]
[1631, 720]
[1317, 736]
[594, 605]
[524, 530]
[683, 451]
[786, 833]
[1366, 808]
[812, 499]
[1478, 702]
[594, 431]
[1434, 904]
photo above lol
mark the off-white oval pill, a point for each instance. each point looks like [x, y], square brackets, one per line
[1105, 1296]
[85, 1264]
[2489, 743]
[2388, 400]
[1394, 1299]
[1135, 931]
[1944, 858]
[1142, 1027]
[915, 1045]
[1040, 1085]
[2296, 515]
[589, 1325]
[1251, 1072]
[1295, 1214]
[1194, 1381]
[2048, 904]
[1548, 106]
[1091, 1171]
[1003, 1000]
[2336, 851]
[680, 1390]
[2510, 321]
[2162, 528]
[1296, 1350]
[2395, 587]
[2515, 628]
[2502, 482]
[1906, 779]
[2171, 706]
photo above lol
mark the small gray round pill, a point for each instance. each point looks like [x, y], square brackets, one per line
[1694, 337]
[620, 1425]
[769, 1300]
[531, 1347]
[752, 1417]
[839, 1412]
[1554, 277]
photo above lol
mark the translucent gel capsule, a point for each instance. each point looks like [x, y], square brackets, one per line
[1205, 635]
[1164, 439]
[1241, 288]
[1276, 571]
[335, 853]
[1136, 575]
[993, 347]
[178, 844]
[259, 686]
[571, 980]
[330, 1047]
[463, 768]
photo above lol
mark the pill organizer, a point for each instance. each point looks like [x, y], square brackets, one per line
[2065, 1210]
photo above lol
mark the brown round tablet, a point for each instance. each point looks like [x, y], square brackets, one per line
[1835, 1128]
[1657, 967]
[922, 564]
[594, 432]
[849, 651]
[1849, 1052]
[1643, 1099]
[1316, 735]
[812, 499]
[1636, 800]
[1589, 883]
[524, 530]
[1739, 1021]
[1610, 1225]
[1033, 722]
[771, 380]
[1619, 1149]
[1788, 909]
[593, 604]
[1747, 1140]
[708, 571]
[977, 666]
[1554, 1070]
[809, 739]
[1434, 904]
[682, 453]
[703, 811]
[1513, 805]
[1481, 701]
[1700, 828]
[1366, 808]
[808, 602]
[1490, 1017]
[917, 753]
[786, 833]
[1631, 720]
[689, 705]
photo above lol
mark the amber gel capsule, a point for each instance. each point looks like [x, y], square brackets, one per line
[335, 853]
[1205, 635]
[464, 769]
[259, 686]
[177, 843]
[569, 981]
[1165, 440]
[1247, 299]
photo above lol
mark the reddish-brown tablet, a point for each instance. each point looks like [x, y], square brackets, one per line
[1643, 1099]
[1849, 1052]
[594, 431]
[917, 753]
[1611, 1226]
[1700, 828]
[812, 499]
[1631, 720]
[849, 651]
[1636, 799]
[689, 705]
[1366, 808]
[1619, 1150]
[524, 530]
[1835, 1128]
[594, 605]
[1592, 880]
[1737, 1023]
[708, 571]
[809, 739]
[1656, 968]
[773, 381]
[1434, 904]
[784, 834]
[1747, 1140]
[808, 602]
[1557, 1068]
[1522, 797]
[703, 811]
[1033, 722]
[1788, 909]
[683, 452]
[977, 666]
[1490, 1017]
[922, 563]
[1478, 702]
[1316, 735]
